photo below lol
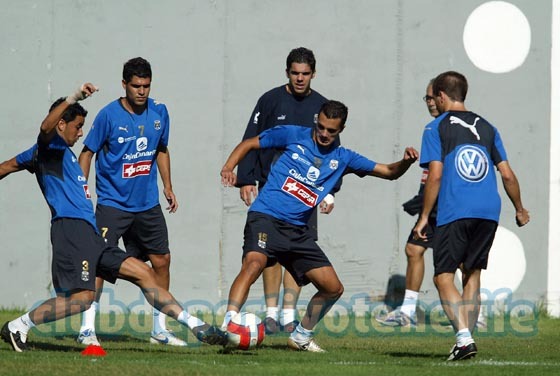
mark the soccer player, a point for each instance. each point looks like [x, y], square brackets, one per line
[276, 230]
[460, 149]
[291, 103]
[130, 137]
[79, 252]
[405, 315]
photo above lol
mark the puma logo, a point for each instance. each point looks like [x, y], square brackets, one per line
[471, 127]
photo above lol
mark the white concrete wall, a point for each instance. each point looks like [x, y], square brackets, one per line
[211, 61]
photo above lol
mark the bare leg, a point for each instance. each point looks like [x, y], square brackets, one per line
[61, 306]
[415, 266]
[329, 289]
[143, 276]
[251, 269]
[272, 278]
[160, 264]
[291, 291]
[471, 297]
[451, 300]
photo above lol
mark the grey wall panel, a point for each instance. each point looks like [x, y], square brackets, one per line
[211, 62]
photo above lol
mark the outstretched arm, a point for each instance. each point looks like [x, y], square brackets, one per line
[511, 185]
[395, 170]
[9, 166]
[228, 176]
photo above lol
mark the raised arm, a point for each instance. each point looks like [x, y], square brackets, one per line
[50, 122]
[511, 185]
[228, 176]
[163, 161]
[9, 166]
[395, 170]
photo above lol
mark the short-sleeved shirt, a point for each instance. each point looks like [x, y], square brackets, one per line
[469, 147]
[126, 146]
[304, 174]
[60, 178]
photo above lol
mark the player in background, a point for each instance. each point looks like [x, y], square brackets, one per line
[276, 230]
[460, 149]
[79, 253]
[291, 103]
[405, 314]
[130, 139]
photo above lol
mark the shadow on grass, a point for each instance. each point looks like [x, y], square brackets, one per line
[401, 354]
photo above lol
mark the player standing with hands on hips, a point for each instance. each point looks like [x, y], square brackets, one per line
[460, 149]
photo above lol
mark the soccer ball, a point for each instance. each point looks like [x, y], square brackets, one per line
[245, 331]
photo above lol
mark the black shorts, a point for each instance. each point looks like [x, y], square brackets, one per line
[290, 245]
[76, 249]
[465, 241]
[143, 233]
[429, 230]
[312, 223]
[80, 254]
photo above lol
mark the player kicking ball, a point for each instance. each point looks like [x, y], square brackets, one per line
[79, 251]
[276, 231]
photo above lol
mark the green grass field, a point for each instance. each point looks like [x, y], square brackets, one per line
[356, 346]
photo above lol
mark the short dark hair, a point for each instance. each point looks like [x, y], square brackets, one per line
[452, 83]
[301, 55]
[138, 67]
[335, 110]
[71, 112]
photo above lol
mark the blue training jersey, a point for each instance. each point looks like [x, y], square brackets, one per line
[304, 174]
[469, 147]
[60, 178]
[126, 148]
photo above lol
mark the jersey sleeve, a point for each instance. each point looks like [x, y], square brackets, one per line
[26, 159]
[280, 136]
[358, 164]
[246, 167]
[98, 133]
[431, 145]
[164, 113]
[498, 153]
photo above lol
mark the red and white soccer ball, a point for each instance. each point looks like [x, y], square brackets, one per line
[245, 331]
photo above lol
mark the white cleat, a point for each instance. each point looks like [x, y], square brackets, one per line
[88, 337]
[397, 318]
[167, 338]
[309, 345]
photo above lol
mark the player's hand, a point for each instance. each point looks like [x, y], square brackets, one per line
[522, 217]
[84, 91]
[327, 205]
[247, 193]
[171, 200]
[228, 177]
[410, 154]
[418, 231]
